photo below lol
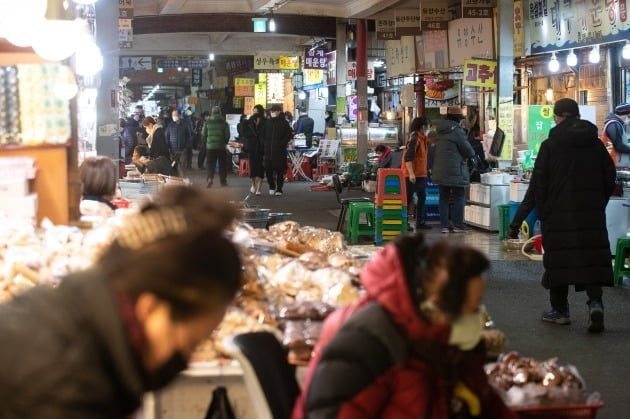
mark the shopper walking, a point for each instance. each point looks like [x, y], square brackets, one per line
[179, 138]
[411, 347]
[254, 140]
[305, 125]
[415, 167]
[127, 326]
[277, 135]
[450, 169]
[614, 134]
[201, 142]
[573, 179]
[216, 132]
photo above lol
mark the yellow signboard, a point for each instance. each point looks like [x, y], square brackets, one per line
[260, 94]
[481, 73]
[244, 87]
[519, 30]
[273, 62]
[289, 63]
[312, 77]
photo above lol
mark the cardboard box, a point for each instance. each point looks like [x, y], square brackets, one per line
[13, 188]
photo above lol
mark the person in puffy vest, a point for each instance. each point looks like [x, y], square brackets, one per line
[412, 346]
[415, 167]
[613, 134]
[216, 133]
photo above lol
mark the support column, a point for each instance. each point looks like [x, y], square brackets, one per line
[106, 103]
[506, 69]
[342, 61]
[420, 97]
[363, 122]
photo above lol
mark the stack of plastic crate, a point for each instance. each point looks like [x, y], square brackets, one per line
[391, 205]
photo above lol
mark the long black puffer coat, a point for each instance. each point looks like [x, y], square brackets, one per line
[66, 354]
[277, 135]
[452, 151]
[573, 179]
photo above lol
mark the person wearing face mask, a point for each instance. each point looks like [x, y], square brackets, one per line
[415, 167]
[276, 137]
[158, 146]
[614, 135]
[412, 347]
[91, 347]
[179, 138]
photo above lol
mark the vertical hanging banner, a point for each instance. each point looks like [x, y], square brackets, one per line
[386, 29]
[248, 108]
[331, 74]
[315, 59]
[260, 94]
[540, 122]
[352, 71]
[407, 22]
[244, 87]
[196, 75]
[506, 123]
[401, 56]
[432, 50]
[468, 38]
[275, 88]
[125, 30]
[434, 16]
[519, 30]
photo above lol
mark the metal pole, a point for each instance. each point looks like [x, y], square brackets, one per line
[363, 122]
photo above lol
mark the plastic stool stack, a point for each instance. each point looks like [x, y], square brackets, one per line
[243, 167]
[391, 205]
[354, 226]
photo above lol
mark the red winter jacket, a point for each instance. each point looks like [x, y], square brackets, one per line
[364, 366]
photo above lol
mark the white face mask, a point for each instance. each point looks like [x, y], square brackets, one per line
[466, 331]
[175, 118]
[427, 131]
[188, 113]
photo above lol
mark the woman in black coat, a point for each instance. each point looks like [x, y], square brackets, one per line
[573, 179]
[254, 133]
[277, 135]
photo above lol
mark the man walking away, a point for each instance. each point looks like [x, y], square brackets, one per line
[277, 135]
[305, 125]
[216, 133]
[450, 169]
[179, 137]
[573, 179]
[201, 141]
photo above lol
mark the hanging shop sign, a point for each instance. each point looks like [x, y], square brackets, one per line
[237, 67]
[244, 87]
[313, 79]
[341, 105]
[519, 30]
[272, 62]
[434, 16]
[386, 29]
[275, 88]
[540, 122]
[196, 77]
[135, 63]
[260, 94]
[439, 93]
[248, 107]
[506, 123]
[480, 73]
[182, 63]
[401, 56]
[566, 24]
[125, 30]
[468, 38]
[289, 63]
[477, 8]
[352, 71]
[432, 50]
[125, 9]
[407, 22]
[315, 59]
[331, 74]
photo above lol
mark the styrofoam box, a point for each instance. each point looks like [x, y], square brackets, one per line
[518, 191]
[13, 188]
[19, 207]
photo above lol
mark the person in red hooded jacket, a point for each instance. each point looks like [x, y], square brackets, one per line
[411, 348]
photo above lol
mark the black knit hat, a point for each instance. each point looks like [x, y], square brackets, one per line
[567, 108]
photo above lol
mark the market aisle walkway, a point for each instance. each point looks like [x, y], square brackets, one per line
[514, 298]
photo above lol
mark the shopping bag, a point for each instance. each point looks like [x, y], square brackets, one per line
[220, 407]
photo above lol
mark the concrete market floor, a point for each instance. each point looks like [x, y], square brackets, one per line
[514, 296]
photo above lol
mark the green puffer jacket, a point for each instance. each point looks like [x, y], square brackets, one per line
[216, 132]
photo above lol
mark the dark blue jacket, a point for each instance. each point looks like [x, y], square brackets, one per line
[179, 135]
[130, 138]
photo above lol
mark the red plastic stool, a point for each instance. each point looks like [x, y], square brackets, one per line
[321, 170]
[243, 167]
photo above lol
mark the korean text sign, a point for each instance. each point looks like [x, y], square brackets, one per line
[315, 59]
[480, 73]
[468, 38]
[244, 87]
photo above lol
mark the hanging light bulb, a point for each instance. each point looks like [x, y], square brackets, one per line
[593, 56]
[20, 20]
[211, 56]
[571, 59]
[554, 64]
[65, 87]
[549, 95]
[625, 51]
[302, 95]
[272, 25]
[56, 40]
[89, 60]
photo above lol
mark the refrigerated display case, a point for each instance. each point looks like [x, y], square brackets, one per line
[384, 134]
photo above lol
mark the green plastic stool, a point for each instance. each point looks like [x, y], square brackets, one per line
[355, 227]
[622, 252]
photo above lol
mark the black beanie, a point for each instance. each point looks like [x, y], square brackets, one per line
[567, 108]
